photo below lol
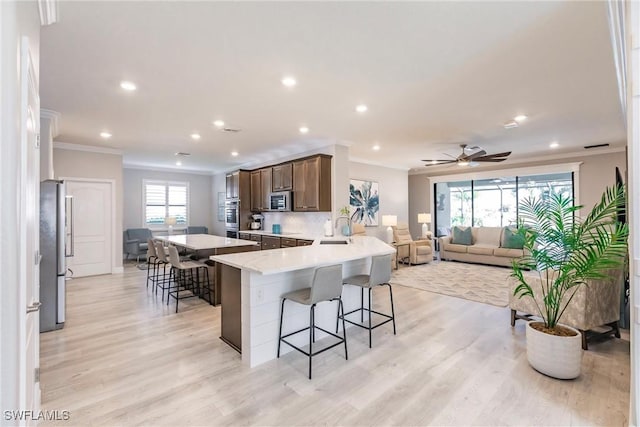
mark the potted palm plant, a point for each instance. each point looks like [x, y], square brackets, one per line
[564, 251]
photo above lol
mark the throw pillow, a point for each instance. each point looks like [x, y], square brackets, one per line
[461, 236]
[511, 239]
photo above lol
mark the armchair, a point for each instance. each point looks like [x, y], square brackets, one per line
[197, 229]
[135, 242]
[595, 304]
[418, 252]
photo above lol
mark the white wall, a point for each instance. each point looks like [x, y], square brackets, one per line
[393, 190]
[200, 196]
[17, 20]
[218, 185]
[84, 164]
[596, 173]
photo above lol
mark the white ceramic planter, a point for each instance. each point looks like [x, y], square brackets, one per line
[558, 357]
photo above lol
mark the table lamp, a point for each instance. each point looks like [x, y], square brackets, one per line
[390, 221]
[170, 221]
[424, 219]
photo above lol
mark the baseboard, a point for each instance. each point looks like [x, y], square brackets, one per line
[117, 270]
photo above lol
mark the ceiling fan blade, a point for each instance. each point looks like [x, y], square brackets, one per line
[439, 162]
[505, 154]
[484, 159]
[476, 155]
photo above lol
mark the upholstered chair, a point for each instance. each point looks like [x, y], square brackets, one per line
[418, 251]
[135, 242]
[597, 303]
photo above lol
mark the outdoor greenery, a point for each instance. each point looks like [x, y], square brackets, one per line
[565, 250]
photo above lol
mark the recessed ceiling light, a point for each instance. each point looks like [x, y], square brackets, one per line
[361, 108]
[218, 123]
[554, 144]
[520, 118]
[195, 136]
[304, 129]
[234, 153]
[178, 163]
[289, 81]
[105, 135]
[376, 147]
[130, 86]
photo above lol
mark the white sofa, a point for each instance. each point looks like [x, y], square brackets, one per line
[485, 248]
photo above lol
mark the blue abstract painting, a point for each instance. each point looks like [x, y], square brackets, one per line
[364, 202]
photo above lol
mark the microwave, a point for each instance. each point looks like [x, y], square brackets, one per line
[280, 201]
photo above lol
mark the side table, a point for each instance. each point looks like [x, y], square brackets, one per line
[397, 246]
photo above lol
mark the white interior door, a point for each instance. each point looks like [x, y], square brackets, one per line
[91, 227]
[30, 226]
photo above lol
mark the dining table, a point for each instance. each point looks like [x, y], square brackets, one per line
[203, 246]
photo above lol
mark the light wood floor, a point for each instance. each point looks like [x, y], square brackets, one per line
[124, 358]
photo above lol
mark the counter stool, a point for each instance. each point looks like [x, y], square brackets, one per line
[326, 286]
[163, 282]
[152, 264]
[182, 275]
[380, 275]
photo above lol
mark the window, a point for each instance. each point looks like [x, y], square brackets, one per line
[492, 202]
[165, 199]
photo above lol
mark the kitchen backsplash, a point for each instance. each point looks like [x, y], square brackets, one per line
[297, 222]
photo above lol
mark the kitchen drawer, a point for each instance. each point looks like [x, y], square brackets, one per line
[245, 236]
[302, 242]
[269, 242]
[256, 237]
[287, 243]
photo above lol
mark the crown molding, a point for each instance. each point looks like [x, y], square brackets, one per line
[89, 148]
[568, 155]
[48, 11]
[53, 117]
[140, 166]
[383, 165]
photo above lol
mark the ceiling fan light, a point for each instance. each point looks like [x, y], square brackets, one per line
[463, 163]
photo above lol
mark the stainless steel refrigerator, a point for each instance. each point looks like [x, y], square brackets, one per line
[52, 249]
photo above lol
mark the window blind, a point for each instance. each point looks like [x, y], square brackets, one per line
[165, 199]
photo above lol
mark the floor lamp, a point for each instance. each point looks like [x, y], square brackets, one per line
[424, 219]
[390, 221]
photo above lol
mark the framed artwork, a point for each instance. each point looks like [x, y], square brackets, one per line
[221, 198]
[364, 202]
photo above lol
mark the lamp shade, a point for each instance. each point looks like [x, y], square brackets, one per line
[424, 218]
[170, 220]
[390, 220]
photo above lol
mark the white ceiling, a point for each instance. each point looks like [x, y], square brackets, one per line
[433, 74]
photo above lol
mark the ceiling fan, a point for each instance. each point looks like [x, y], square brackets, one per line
[472, 159]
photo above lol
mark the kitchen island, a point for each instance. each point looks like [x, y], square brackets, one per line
[204, 245]
[252, 284]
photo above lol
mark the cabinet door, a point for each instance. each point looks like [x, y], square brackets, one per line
[229, 186]
[298, 185]
[256, 191]
[311, 183]
[282, 177]
[265, 184]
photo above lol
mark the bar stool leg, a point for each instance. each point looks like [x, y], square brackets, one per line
[312, 326]
[280, 333]
[370, 328]
[361, 305]
[393, 314]
[344, 329]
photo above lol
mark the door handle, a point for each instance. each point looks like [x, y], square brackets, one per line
[34, 307]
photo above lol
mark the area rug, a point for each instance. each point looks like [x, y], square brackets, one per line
[481, 283]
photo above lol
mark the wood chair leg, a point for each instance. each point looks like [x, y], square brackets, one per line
[513, 317]
[585, 346]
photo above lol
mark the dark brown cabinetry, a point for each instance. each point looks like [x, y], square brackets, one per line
[312, 184]
[287, 243]
[302, 242]
[282, 177]
[245, 236]
[256, 237]
[260, 189]
[233, 185]
[270, 242]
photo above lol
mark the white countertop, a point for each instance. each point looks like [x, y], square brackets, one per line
[290, 259]
[204, 241]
